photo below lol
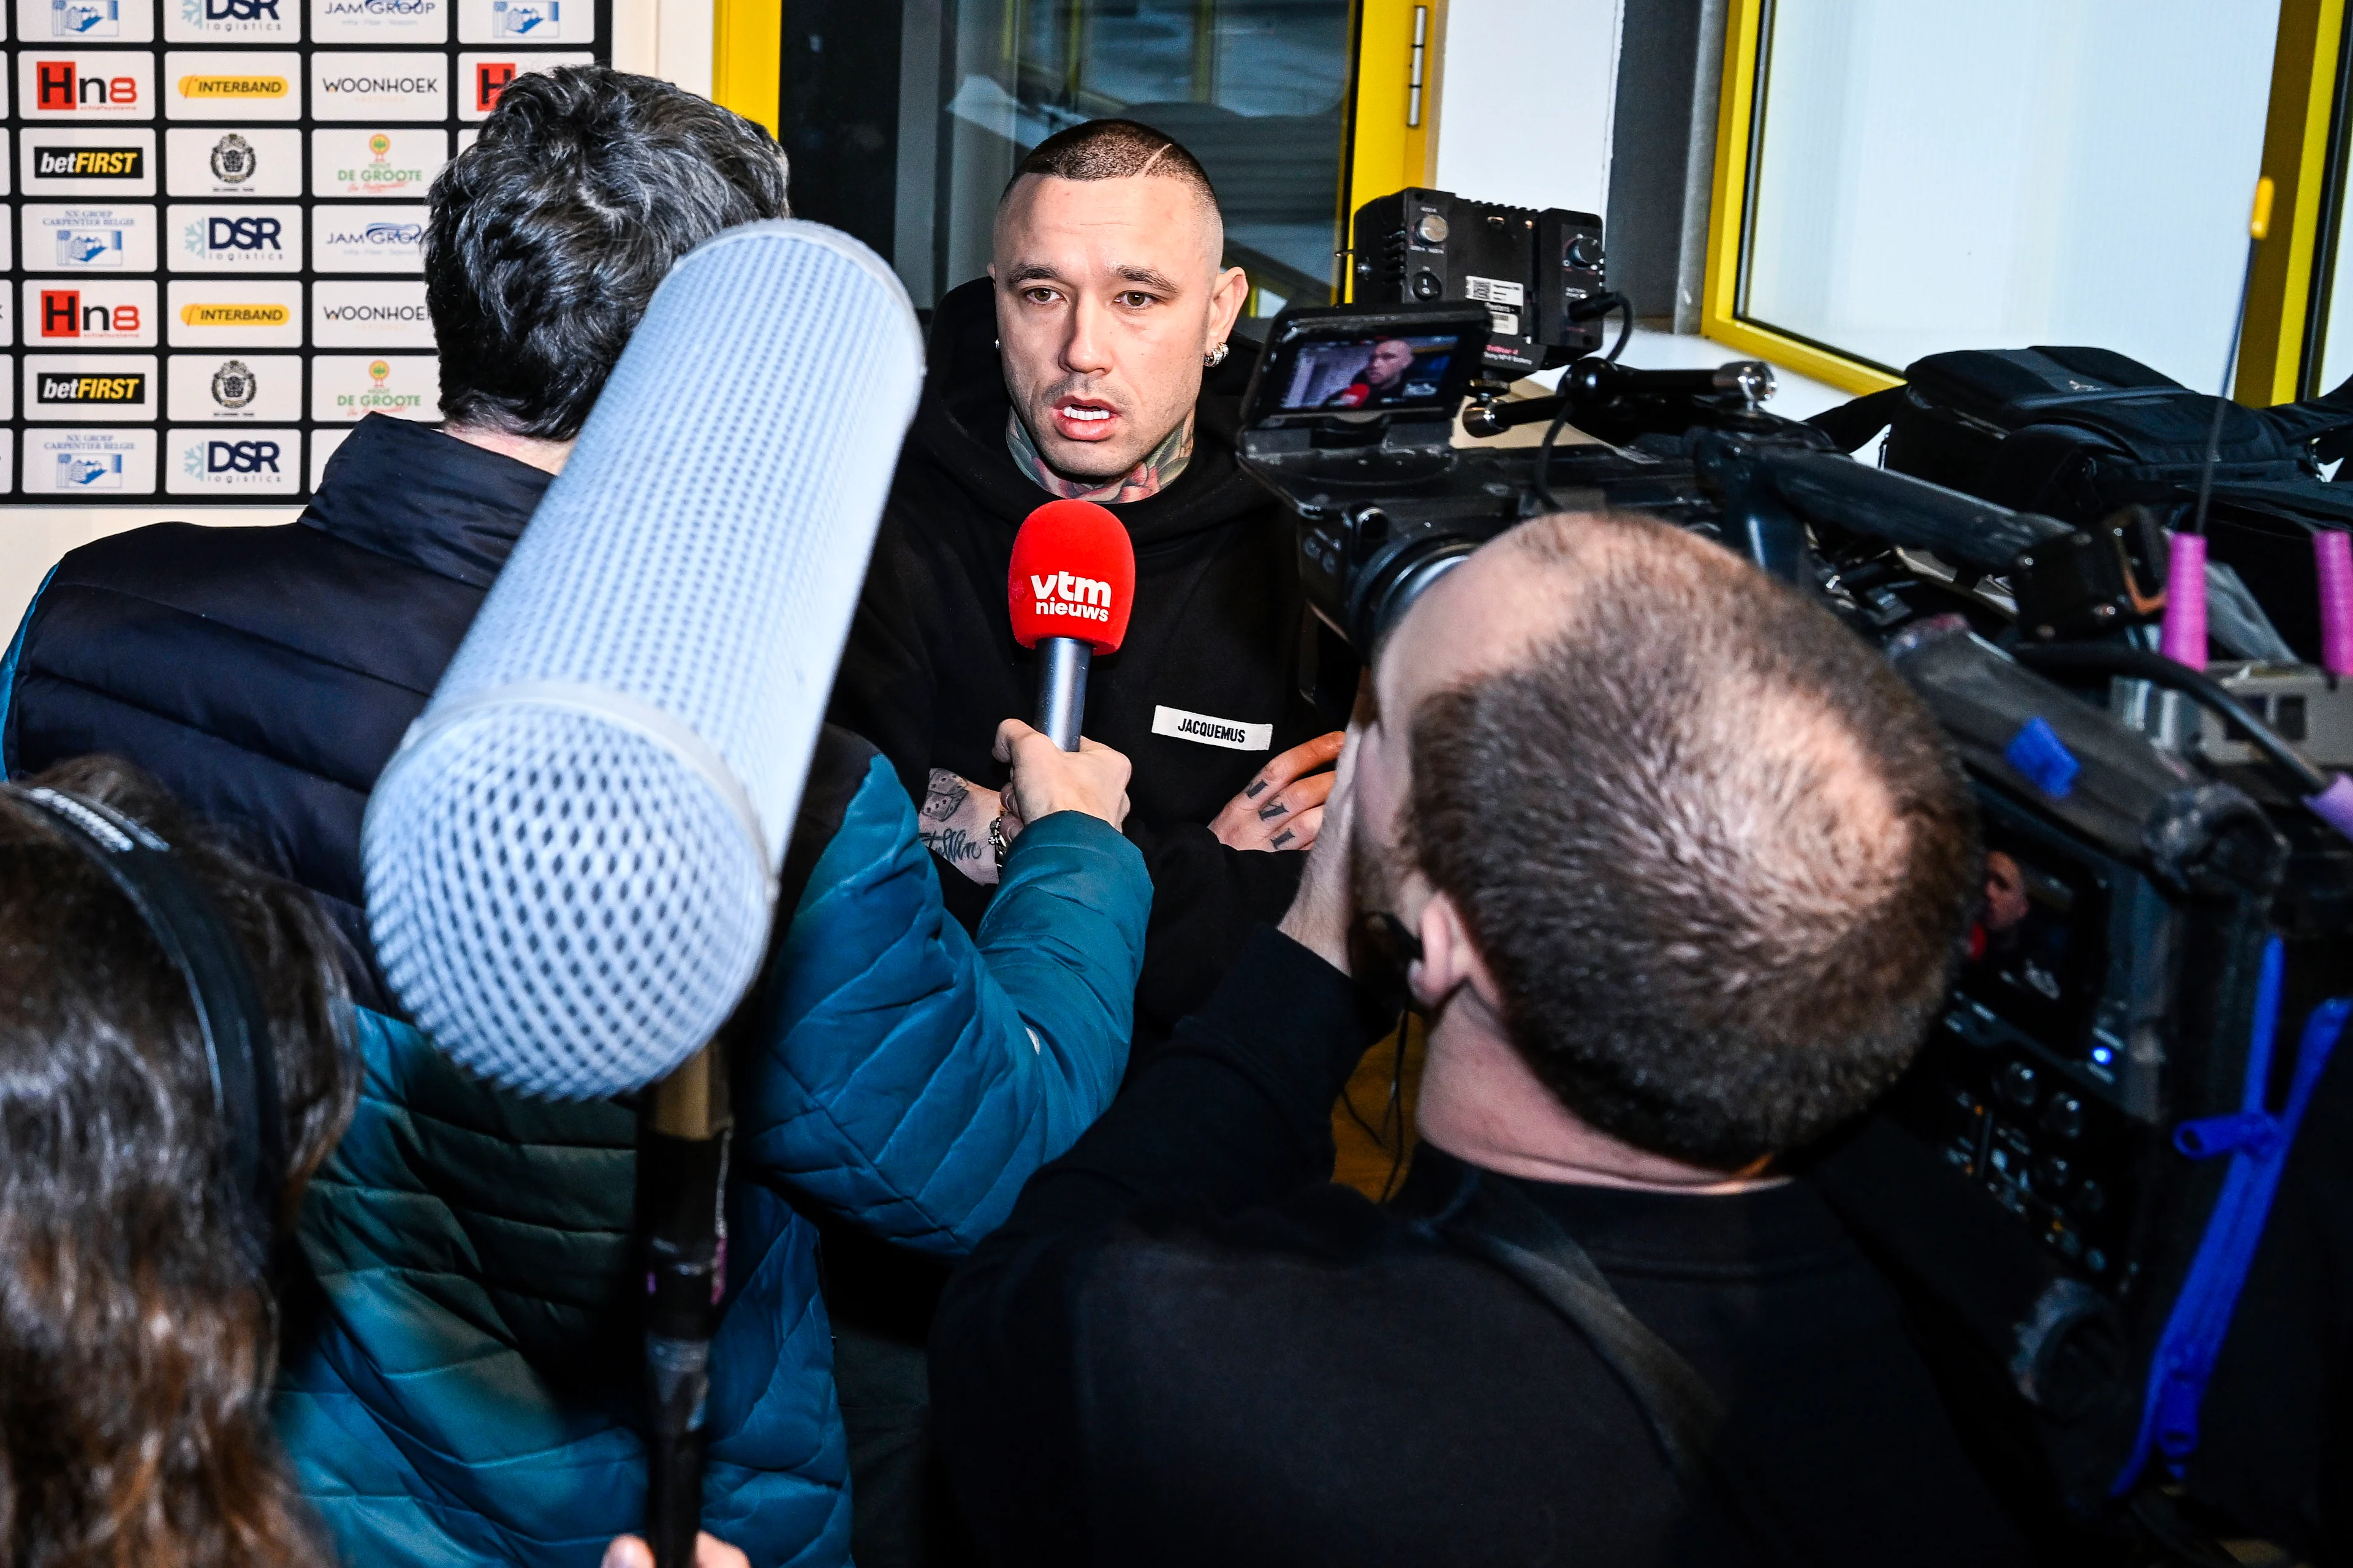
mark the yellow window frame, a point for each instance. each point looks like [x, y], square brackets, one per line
[2296, 153]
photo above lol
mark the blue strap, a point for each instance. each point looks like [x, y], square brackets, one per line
[2257, 1140]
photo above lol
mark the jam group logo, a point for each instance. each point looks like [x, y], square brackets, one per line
[369, 240]
[379, 21]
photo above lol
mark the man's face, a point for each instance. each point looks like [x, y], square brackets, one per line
[1391, 357]
[1108, 297]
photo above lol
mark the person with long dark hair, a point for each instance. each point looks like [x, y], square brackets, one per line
[138, 1327]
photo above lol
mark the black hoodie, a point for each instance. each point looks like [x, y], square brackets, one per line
[932, 667]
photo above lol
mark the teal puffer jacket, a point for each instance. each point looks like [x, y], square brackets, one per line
[462, 1373]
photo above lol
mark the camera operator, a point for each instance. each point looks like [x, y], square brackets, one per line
[1093, 361]
[463, 1377]
[1677, 867]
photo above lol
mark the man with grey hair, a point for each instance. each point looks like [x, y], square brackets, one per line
[1675, 867]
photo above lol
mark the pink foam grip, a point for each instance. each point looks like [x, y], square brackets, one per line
[2184, 640]
[2332, 551]
[2334, 805]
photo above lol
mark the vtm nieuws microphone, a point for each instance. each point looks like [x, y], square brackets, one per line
[1071, 589]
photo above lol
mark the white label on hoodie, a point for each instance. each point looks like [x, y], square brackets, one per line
[1231, 733]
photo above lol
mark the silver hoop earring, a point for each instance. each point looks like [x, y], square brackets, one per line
[1215, 357]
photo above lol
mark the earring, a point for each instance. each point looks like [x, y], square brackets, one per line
[1215, 357]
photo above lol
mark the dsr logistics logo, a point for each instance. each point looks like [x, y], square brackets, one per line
[263, 89]
[242, 314]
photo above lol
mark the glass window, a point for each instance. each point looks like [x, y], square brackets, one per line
[1255, 88]
[2006, 172]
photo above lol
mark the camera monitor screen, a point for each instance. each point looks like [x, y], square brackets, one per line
[2038, 953]
[1370, 373]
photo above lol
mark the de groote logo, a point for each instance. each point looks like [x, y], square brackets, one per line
[380, 176]
[379, 398]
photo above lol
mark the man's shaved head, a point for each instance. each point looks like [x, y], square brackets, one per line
[1114, 150]
[1714, 850]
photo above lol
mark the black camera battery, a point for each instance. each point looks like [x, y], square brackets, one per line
[1529, 269]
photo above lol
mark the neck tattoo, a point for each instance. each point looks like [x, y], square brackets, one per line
[1149, 478]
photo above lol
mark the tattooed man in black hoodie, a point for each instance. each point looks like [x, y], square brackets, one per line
[1092, 363]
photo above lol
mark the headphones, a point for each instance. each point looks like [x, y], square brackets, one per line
[188, 925]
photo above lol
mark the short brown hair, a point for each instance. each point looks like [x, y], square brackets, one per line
[1114, 150]
[1715, 852]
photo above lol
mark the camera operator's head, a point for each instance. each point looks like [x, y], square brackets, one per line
[1110, 301]
[138, 1335]
[547, 237]
[1676, 846]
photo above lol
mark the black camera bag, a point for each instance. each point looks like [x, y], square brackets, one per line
[2079, 433]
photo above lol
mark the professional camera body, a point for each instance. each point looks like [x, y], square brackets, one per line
[2065, 1183]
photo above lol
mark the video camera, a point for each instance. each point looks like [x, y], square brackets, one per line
[2055, 1180]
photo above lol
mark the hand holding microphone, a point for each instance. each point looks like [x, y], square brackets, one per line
[1048, 779]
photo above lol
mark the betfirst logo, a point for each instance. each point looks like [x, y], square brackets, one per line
[63, 86]
[1061, 594]
[88, 162]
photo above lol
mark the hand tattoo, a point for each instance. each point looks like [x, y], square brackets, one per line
[946, 796]
[1257, 788]
[1283, 838]
[1269, 813]
[952, 844]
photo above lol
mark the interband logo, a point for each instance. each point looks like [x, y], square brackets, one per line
[88, 162]
[116, 389]
[242, 314]
[1060, 594]
[226, 87]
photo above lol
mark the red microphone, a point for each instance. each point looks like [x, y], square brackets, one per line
[1070, 588]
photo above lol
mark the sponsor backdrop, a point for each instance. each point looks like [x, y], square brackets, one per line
[215, 210]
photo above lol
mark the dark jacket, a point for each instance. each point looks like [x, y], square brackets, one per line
[932, 668]
[1186, 1347]
[462, 1361]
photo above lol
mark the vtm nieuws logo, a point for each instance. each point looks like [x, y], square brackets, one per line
[1060, 594]
[59, 85]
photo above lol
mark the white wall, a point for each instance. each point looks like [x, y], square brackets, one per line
[1531, 94]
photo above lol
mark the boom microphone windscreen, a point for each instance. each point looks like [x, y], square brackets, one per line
[1073, 575]
[572, 857]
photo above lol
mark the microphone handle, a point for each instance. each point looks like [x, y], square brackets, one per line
[682, 1139]
[1062, 688]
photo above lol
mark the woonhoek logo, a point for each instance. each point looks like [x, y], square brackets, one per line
[1063, 594]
